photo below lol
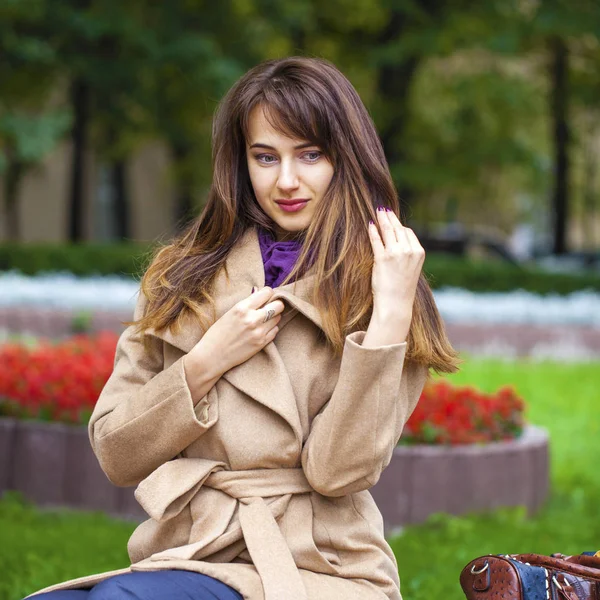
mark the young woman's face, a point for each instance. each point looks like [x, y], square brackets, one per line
[283, 169]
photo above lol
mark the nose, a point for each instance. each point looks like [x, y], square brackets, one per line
[288, 177]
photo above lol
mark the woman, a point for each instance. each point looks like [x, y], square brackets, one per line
[253, 424]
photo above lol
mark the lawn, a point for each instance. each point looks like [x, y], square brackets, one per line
[38, 549]
[564, 398]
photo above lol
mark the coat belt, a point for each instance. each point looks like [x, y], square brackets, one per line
[166, 491]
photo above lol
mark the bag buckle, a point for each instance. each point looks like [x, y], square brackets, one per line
[481, 582]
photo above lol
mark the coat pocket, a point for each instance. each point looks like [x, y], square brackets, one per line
[325, 545]
[306, 538]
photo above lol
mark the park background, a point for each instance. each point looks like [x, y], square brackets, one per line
[489, 116]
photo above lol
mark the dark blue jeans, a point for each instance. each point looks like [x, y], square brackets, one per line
[151, 585]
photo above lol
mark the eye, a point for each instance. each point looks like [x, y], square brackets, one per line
[313, 155]
[265, 158]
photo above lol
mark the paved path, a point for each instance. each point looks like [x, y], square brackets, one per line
[566, 342]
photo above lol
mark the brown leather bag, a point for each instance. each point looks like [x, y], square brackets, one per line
[532, 577]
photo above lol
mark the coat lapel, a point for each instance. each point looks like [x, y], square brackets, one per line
[263, 377]
[244, 269]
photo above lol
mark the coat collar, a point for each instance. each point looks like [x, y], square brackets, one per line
[244, 269]
[264, 377]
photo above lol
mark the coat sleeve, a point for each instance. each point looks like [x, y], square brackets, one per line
[352, 439]
[145, 414]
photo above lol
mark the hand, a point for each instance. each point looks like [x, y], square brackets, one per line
[398, 260]
[239, 334]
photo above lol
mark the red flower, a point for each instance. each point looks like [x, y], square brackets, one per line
[447, 414]
[57, 381]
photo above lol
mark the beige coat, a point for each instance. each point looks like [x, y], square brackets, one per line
[264, 482]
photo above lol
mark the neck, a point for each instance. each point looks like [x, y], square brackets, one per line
[281, 235]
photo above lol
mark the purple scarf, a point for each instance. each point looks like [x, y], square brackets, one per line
[279, 258]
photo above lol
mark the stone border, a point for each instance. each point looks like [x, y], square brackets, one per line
[422, 480]
[53, 465]
[58, 323]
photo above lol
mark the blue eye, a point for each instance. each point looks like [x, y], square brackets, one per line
[262, 157]
[317, 155]
[311, 156]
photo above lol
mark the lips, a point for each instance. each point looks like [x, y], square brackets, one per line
[293, 205]
[292, 201]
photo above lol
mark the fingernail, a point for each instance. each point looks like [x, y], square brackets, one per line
[381, 207]
[253, 289]
[388, 209]
[371, 222]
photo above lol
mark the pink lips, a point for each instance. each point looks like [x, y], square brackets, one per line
[291, 205]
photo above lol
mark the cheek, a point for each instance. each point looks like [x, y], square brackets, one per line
[324, 178]
[259, 180]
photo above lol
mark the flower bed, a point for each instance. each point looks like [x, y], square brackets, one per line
[495, 460]
[448, 414]
[55, 382]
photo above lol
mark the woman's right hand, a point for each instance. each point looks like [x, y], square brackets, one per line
[239, 334]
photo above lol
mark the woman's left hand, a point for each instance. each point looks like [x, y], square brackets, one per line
[398, 260]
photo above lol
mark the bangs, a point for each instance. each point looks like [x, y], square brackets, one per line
[293, 112]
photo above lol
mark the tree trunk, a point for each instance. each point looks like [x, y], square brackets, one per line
[184, 203]
[590, 196]
[80, 96]
[12, 180]
[121, 200]
[298, 40]
[559, 72]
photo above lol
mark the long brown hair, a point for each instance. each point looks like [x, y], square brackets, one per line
[310, 99]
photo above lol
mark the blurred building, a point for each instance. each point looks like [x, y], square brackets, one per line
[44, 196]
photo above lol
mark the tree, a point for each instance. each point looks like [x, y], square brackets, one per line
[101, 47]
[555, 25]
[29, 127]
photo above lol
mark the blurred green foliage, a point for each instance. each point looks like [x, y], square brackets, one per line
[459, 89]
[441, 270]
[128, 259]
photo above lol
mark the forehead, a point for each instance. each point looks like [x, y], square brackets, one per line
[262, 127]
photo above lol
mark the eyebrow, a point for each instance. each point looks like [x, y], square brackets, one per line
[298, 147]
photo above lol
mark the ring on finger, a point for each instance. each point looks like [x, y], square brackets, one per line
[270, 314]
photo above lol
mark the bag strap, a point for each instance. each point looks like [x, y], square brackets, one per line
[585, 566]
[564, 587]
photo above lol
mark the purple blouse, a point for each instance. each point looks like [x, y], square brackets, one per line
[279, 258]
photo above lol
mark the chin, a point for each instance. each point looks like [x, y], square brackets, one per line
[293, 227]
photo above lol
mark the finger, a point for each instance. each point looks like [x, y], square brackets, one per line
[276, 307]
[375, 239]
[269, 323]
[387, 232]
[394, 217]
[396, 226]
[259, 297]
[405, 233]
[271, 334]
[414, 240]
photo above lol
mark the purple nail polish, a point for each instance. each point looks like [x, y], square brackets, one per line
[388, 209]
[371, 222]
[381, 207]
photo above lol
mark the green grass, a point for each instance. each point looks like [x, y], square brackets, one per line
[564, 398]
[38, 549]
